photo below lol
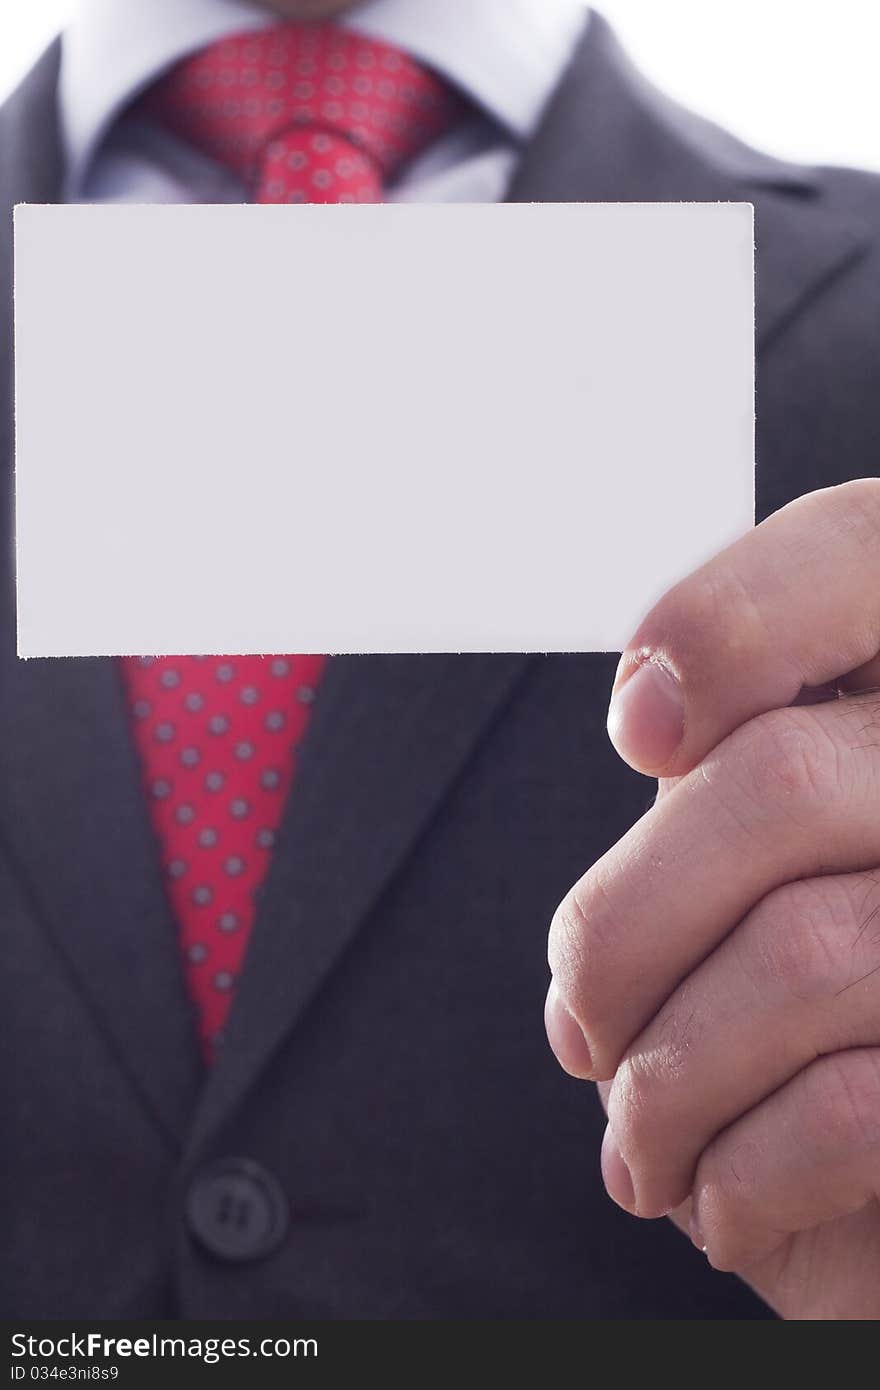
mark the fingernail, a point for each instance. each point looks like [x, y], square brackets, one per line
[697, 1236]
[616, 1175]
[646, 717]
[565, 1037]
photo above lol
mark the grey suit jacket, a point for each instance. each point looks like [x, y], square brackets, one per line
[386, 1134]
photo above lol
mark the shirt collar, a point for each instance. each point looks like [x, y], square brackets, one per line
[507, 55]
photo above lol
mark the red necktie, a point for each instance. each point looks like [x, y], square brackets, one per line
[301, 113]
[305, 113]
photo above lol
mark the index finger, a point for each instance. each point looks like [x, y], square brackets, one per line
[794, 603]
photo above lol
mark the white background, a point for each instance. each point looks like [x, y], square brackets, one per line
[796, 77]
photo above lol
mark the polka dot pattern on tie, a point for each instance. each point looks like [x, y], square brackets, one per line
[305, 113]
[217, 740]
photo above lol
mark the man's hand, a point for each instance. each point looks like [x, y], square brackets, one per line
[720, 966]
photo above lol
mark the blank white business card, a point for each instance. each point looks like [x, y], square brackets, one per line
[374, 429]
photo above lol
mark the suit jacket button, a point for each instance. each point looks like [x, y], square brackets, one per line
[237, 1210]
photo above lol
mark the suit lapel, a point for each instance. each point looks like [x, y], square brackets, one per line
[72, 816]
[609, 136]
[74, 822]
[387, 740]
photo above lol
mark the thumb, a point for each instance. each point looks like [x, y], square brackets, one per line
[794, 603]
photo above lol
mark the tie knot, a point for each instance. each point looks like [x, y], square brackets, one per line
[314, 97]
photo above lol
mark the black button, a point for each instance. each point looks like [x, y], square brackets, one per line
[237, 1210]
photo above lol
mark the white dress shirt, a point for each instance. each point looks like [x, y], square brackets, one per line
[507, 56]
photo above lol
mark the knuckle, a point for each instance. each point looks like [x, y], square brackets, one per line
[792, 943]
[652, 1079]
[640, 1099]
[789, 760]
[568, 930]
[583, 934]
[861, 507]
[844, 1101]
[737, 1171]
[726, 1194]
[632, 1105]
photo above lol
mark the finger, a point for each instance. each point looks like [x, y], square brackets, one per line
[794, 603]
[800, 977]
[792, 795]
[807, 1155]
[681, 1215]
